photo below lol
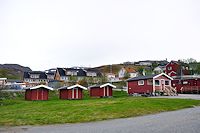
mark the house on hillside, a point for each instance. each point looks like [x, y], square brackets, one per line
[177, 68]
[34, 78]
[3, 81]
[127, 70]
[159, 69]
[150, 84]
[77, 74]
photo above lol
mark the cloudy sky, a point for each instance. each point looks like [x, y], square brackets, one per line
[43, 34]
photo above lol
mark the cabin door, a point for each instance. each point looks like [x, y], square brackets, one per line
[106, 91]
[162, 84]
[75, 93]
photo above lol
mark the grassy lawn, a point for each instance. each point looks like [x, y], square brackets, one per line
[21, 112]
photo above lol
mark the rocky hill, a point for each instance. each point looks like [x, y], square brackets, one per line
[12, 71]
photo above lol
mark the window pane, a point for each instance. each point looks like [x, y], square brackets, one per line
[157, 82]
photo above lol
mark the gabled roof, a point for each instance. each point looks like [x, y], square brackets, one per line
[73, 86]
[149, 77]
[61, 71]
[142, 77]
[41, 86]
[42, 75]
[101, 86]
[108, 84]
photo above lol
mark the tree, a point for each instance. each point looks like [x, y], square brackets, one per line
[126, 75]
[140, 70]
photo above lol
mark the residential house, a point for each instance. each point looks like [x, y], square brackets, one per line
[150, 84]
[34, 78]
[3, 81]
[127, 70]
[159, 69]
[77, 74]
[177, 68]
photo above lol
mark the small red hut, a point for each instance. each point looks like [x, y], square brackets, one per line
[39, 92]
[72, 92]
[104, 90]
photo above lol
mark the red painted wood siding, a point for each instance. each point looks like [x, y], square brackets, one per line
[67, 94]
[174, 67]
[95, 92]
[99, 92]
[37, 94]
[28, 94]
[133, 87]
[191, 82]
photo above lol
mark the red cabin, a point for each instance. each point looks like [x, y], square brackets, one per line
[104, 90]
[187, 84]
[39, 92]
[72, 92]
[149, 84]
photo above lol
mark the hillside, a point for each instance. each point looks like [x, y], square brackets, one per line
[114, 68]
[12, 71]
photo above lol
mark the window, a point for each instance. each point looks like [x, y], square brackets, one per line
[157, 82]
[141, 82]
[166, 82]
[185, 82]
[170, 68]
[149, 82]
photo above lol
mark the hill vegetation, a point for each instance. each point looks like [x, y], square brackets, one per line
[12, 71]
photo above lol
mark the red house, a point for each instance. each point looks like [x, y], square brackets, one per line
[104, 90]
[176, 68]
[39, 92]
[149, 84]
[187, 84]
[72, 92]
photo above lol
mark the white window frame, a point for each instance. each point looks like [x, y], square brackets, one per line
[169, 68]
[168, 84]
[139, 82]
[156, 84]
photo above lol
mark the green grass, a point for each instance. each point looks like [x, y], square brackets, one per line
[21, 112]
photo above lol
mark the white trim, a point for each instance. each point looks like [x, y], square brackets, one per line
[163, 74]
[107, 91]
[76, 93]
[141, 81]
[41, 86]
[168, 81]
[159, 82]
[72, 93]
[104, 91]
[108, 84]
[77, 85]
[172, 72]
[154, 88]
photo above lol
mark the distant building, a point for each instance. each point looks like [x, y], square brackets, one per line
[3, 81]
[159, 69]
[176, 68]
[127, 70]
[77, 74]
[34, 78]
